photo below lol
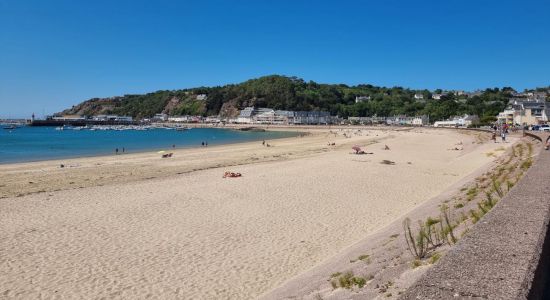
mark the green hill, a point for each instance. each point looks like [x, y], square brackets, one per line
[292, 93]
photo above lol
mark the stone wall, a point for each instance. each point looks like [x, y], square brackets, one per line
[506, 255]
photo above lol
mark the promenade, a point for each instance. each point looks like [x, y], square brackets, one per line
[507, 254]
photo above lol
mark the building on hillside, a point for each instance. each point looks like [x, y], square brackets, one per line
[538, 96]
[361, 99]
[418, 96]
[459, 93]
[201, 97]
[437, 96]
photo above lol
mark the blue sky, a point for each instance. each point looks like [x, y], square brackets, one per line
[54, 54]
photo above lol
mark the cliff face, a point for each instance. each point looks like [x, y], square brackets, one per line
[96, 106]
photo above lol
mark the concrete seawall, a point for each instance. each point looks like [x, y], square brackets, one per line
[506, 255]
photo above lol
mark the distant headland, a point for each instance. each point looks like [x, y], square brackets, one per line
[294, 94]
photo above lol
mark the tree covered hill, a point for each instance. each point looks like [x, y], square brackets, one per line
[292, 93]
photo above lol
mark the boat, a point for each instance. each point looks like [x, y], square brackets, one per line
[183, 128]
[11, 127]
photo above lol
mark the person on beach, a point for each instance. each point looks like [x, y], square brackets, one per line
[123, 150]
[494, 137]
[263, 143]
[202, 144]
[503, 136]
[116, 151]
[206, 144]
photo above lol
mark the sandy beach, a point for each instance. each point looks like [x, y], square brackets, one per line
[138, 226]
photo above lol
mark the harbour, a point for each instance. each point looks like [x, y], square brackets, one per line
[31, 143]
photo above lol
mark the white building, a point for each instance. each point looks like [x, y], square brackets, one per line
[421, 120]
[525, 113]
[178, 119]
[68, 118]
[437, 96]
[160, 117]
[212, 119]
[112, 118]
[202, 97]
[245, 116]
[418, 96]
[124, 119]
[458, 121]
[361, 99]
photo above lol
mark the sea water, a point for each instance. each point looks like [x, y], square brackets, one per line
[42, 143]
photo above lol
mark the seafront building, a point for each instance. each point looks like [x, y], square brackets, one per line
[396, 120]
[525, 112]
[458, 121]
[112, 118]
[251, 115]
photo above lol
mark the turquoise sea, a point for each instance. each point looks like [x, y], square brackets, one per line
[42, 143]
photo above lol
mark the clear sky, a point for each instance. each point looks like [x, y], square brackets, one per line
[54, 54]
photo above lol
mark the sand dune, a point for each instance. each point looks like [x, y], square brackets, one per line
[196, 235]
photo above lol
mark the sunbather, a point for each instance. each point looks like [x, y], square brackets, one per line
[231, 174]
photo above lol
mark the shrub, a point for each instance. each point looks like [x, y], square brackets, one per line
[348, 280]
[416, 243]
[497, 188]
[447, 229]
[435, 258]
[526, 164]
[475, 216]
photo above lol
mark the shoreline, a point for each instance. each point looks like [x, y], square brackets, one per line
[167, 149]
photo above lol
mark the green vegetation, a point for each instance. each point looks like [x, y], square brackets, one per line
[348, 280]
[335, 274]
[446, 226]
[416, 243]
[292, 93]
[435, 258]
[365, 258]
